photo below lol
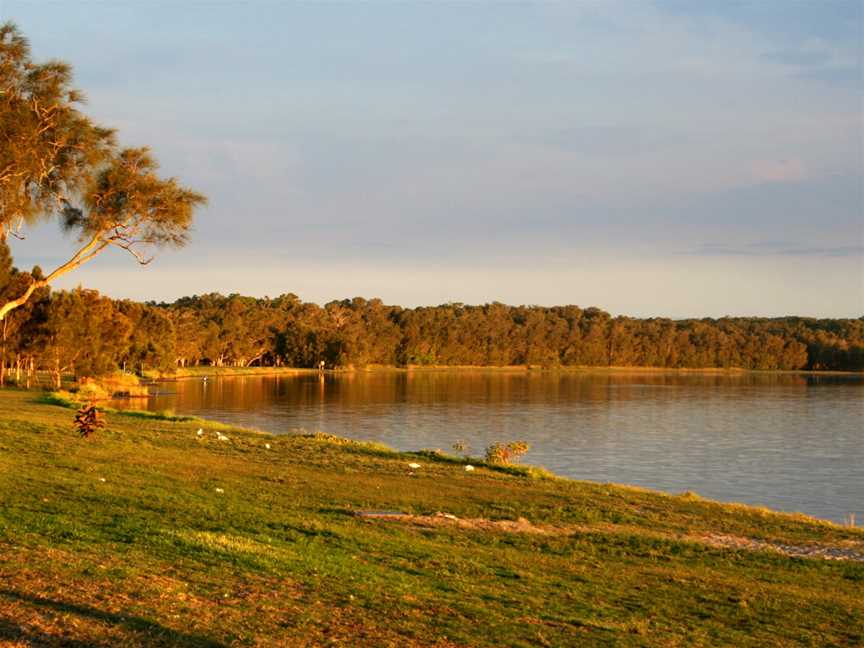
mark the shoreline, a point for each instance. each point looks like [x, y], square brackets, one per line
[533, 471]
[208, 371]
[525, 470]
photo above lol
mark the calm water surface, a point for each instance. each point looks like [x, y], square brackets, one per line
[790, 442]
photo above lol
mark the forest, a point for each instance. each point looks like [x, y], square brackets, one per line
[84, 334]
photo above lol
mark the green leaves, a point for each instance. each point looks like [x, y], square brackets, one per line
[49, 148]
[127, 204]
[54, 161]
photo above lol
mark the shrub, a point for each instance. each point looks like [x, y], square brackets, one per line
[506, 453]
[88, 420]
[116, 385]
[90, 390]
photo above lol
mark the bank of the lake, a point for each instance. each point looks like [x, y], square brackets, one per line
[149, 534]
[791, 442]
[210, 371]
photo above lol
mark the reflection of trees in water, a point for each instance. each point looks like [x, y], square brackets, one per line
[371, 389]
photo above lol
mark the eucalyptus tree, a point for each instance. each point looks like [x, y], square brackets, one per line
[57, 163]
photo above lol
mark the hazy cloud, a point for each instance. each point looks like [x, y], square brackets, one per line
[853, 74]
[800, 57]
[762, 248]
[611, 139]
[789, 170]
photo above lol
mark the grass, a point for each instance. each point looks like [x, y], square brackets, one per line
[147, 534]
[70, 400]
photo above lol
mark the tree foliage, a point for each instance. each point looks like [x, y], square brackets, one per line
[85, 334]
[49, 148]
[54, 161]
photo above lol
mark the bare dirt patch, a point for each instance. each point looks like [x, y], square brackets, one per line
[843, 551]
[853, 551]
[520, 525]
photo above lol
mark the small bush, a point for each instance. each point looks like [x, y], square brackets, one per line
[88, 420]
[116, 385]
[505, 454]
[90, 391]
[62, 398]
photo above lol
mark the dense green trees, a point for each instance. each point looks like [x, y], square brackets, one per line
[78, 332]
[236, 330]
[81, 333]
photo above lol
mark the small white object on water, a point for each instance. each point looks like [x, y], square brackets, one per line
[469, 468]
[200, 432]
[267, 445]
[102, 479]
[221, 437]
[220, 490]
[413, 466]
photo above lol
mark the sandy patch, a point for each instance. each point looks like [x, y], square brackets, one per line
[842, 551]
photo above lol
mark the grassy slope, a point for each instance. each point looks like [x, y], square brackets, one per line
[154, 555]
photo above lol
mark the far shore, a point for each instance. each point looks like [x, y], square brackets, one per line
[213, 371]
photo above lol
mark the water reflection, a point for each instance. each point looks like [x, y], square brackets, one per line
[789, 441]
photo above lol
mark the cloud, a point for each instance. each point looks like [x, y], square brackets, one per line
[834, 74]
[799, 57]
[835, 20]
[789, 170]
[763, 248]
[819, 62]
[611, 139]
[839, 251]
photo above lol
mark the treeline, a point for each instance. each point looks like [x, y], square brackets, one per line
[243, 331]
[82, 333]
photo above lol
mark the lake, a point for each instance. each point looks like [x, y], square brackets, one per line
[790, 442]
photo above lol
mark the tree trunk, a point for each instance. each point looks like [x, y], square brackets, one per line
[3, 357]
[93, 247]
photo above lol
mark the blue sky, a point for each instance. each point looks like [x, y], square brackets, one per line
[675, 158]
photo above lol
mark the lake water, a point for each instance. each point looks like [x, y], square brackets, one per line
[790, 442]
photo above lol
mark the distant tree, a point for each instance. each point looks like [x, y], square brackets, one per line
[152, 342]
[55, 162]
[81, 333]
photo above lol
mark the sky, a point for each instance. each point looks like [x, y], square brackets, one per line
[675, 158]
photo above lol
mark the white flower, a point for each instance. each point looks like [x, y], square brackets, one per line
[413, 466]
[220, 490]
[469, 468]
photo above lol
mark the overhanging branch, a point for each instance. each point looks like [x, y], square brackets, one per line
[84, 254]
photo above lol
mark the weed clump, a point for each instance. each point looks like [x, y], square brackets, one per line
[461, 447]
[88, 420]
[504, 454]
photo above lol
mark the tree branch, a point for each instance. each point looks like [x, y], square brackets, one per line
[89, 250]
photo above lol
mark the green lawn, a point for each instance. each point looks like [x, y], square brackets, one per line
[146, 534]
